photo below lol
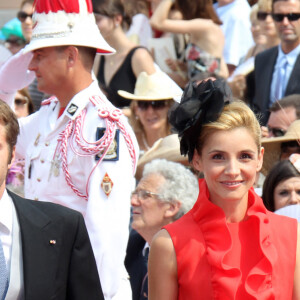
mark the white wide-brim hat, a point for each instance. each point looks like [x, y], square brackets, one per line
[167, 148]
[53, 26]
[153, 87]
[272, 146]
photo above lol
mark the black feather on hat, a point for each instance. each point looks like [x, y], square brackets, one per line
[200, 104]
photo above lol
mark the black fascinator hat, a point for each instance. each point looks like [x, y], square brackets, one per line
[200, 104]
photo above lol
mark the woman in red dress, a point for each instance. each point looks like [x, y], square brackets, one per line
[229, 246]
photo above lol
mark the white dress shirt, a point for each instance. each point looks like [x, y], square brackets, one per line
[6, 225]
[291, 58]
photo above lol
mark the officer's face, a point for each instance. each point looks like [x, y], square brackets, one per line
[51, 69]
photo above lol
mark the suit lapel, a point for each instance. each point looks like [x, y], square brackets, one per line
[269, 69]
[293, 83]
[39, 254]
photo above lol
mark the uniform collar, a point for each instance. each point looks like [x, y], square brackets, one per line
[81, 100]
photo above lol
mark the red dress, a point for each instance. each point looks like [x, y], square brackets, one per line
[253, 259]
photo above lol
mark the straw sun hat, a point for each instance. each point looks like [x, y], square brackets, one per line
[167, 147]
[66, 22]
[273, 146]
[154, 87]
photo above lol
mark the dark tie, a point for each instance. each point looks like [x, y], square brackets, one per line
[3, 274]
[144, 289]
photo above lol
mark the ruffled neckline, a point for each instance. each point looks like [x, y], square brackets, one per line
[226, 279]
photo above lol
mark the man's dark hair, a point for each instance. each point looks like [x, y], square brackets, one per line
[288, 101]
[278, 1]
[9, 120]
[88, 56]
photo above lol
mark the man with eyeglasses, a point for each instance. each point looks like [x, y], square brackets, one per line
[282, 114]
[166, 191]
[277, 70]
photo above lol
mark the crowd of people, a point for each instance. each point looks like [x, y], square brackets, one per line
[128, 177]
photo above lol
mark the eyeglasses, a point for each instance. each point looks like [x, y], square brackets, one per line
[21, 101]
[262, 15]
[144, 195]
[22, 16]
[286, 146]
[276, 131]
[290, 16]
[144, 105]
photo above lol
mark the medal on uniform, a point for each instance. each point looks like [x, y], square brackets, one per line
[107, 184]
[36, 142]
[55, 167]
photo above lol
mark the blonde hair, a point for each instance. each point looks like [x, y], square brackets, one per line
[265, 5]
[253, 13]
[234, 115]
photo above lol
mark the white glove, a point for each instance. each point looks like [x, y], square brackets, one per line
[14, 73]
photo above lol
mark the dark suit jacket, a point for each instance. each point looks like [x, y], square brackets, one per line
[263, 72]
[59, 270]
[135, 264]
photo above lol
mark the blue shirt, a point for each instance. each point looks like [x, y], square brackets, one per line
[291, 58]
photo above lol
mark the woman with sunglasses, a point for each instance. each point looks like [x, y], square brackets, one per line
[264, 16]
[228, 246]
[204, 52]
[242, 85]
[25, 17]
[153, 96]
[23, 103]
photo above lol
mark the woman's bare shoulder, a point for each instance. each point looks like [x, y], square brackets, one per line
[142, 61]
[162, 241]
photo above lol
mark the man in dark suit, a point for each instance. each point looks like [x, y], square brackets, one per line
[166, 191]
[277, 70]
[45, 251]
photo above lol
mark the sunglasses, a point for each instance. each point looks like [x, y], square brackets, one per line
[20, 101]
[287, 147]
[277, 131]
[144, 105]
[22, 16]
[290, 16]
[261, 15]
[17, 42]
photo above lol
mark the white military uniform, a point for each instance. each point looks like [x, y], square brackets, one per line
[106, 216]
